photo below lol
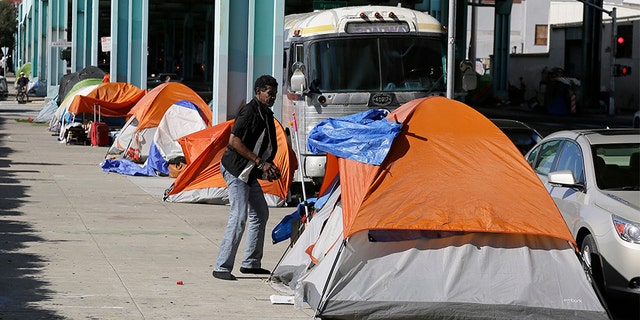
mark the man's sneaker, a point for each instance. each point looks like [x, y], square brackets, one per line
[254, 270]
[224, 275]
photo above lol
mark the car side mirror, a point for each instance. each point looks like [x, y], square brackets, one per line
[564, 178]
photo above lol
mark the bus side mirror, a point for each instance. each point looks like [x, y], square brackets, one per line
[298, 82]
[469, 80]
[469, 77]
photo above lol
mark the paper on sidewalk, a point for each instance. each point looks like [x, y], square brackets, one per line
[278, 299]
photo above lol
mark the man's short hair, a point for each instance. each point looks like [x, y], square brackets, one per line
[264, 81]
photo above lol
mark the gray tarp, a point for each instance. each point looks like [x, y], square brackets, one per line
[46, 113]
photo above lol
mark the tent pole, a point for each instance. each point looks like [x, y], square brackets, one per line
[323, 302]
[277, 264]
[300, 166]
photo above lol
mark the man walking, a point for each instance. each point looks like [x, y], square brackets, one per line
[249, 155]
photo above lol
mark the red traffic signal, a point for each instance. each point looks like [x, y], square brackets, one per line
[624, 41]
[621, 70]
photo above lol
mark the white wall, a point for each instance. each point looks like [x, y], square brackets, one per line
[528, 13]
[535, 12]
[565, 11]
[524, 17]
[570, 11]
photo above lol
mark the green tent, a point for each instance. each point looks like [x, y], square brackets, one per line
[26, 68]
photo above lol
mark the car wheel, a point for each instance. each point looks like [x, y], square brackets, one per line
[591, 258]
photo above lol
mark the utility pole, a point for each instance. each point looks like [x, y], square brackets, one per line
[473, 36]
[612, 60]
[614, 31]
[451, 49]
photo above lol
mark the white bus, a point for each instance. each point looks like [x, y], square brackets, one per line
[346, 60]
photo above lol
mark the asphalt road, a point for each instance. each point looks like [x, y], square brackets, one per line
[546, 123]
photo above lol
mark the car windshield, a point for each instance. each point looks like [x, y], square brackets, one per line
[617, 166]
[376, 64]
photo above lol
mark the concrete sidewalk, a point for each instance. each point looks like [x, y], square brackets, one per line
[79, 243]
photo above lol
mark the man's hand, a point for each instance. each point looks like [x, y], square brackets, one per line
[270, 172]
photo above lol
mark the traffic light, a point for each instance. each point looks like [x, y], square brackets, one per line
[621, 70]
[624, 41]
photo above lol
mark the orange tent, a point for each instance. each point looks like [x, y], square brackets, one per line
[203, 151]
[134, 139]
[115, 99]
[152, 107]
[471, 177]
[454, 222]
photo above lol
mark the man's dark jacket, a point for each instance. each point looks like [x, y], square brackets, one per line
[252, 121]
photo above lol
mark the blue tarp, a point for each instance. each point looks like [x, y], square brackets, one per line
[156, 160]
[364, 137]
[128, 167]
[283, 230]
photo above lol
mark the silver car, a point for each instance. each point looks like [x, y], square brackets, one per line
[593, 177]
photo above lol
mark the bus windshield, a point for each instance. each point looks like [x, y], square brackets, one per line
[406, 63]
